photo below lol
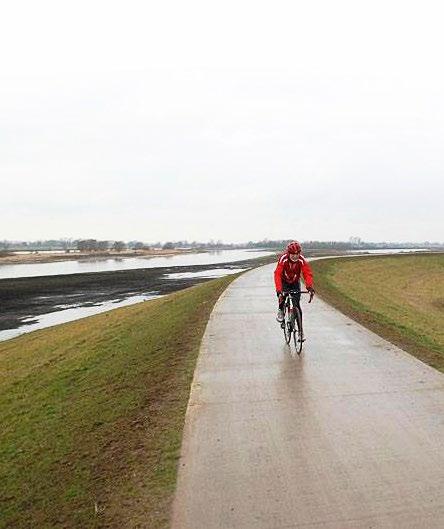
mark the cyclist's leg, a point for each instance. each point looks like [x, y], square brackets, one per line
[281, 302]
[281, 308]
[285, 290]
[282, 299]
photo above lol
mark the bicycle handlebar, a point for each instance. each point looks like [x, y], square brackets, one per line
[300, 292]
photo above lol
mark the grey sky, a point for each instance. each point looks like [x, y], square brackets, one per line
[229, 120]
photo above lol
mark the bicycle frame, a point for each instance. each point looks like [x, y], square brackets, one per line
[292, 323]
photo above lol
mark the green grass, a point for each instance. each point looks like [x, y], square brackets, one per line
[400, 297]
[92, 414]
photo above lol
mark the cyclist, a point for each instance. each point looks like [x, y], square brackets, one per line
[287, 276]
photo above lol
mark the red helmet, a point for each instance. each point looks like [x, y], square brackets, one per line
[294, 247]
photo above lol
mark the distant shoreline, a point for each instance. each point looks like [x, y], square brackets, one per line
[46, 257]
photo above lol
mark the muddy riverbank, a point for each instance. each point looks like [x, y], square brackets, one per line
[22, 298]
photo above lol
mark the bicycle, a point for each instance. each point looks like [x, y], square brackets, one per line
[292, 323]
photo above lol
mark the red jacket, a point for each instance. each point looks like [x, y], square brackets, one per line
[290, 272]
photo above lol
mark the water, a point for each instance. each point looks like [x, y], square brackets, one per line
[215, 272]
[70, 313]
[73, 311]
[126, 263]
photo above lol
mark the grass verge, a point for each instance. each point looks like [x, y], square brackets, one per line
[400, 297]
[92, 414]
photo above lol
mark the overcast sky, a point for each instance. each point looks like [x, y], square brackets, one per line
[233, 120]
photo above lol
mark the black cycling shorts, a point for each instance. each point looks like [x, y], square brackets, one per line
[288, 287]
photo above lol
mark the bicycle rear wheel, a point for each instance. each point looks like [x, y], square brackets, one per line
[297, 333]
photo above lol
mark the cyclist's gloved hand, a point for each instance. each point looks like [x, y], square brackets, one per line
[312, 293]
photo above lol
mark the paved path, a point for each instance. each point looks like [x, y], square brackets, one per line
[348, 436]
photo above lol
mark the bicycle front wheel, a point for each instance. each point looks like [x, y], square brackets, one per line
[286, 325]
[297, 333]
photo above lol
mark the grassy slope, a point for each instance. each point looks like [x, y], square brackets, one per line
[400, 297]
[92, 414]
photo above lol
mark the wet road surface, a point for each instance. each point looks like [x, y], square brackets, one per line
[348, 436]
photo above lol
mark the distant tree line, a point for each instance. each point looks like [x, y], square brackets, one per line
[353, 244]
[94, 245]
[83, 245]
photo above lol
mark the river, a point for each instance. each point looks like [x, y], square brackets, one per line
[126, 263]
[94, 290]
